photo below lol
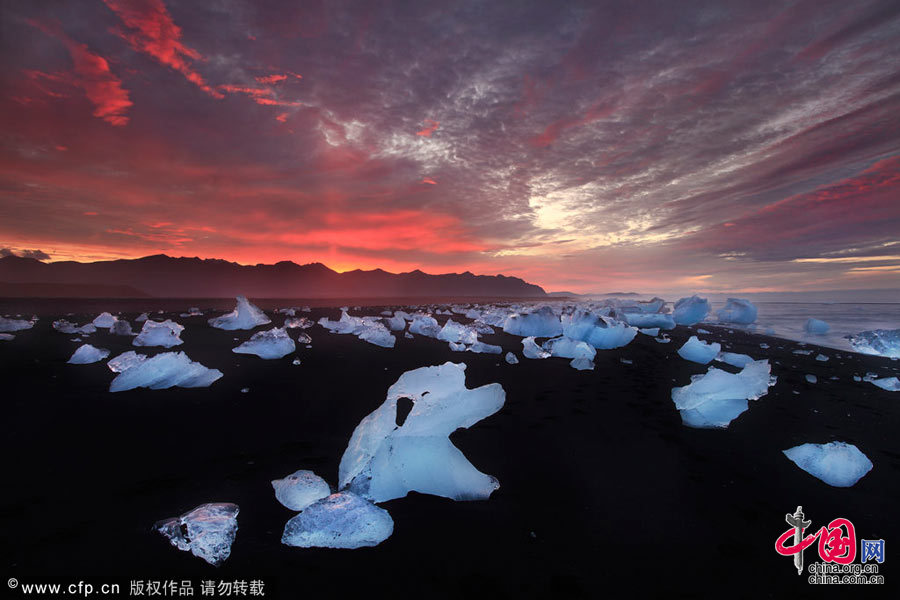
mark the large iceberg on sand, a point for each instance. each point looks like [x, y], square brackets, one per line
[10, 325]
[698, 351]
[87, 354]
[207, 531]
[717, 397]
[816, 327]
[244, 316]
[165, 334]
[271, 344]
[885, 342]
[690, 311]
[300, 489]
[601, 332]
[342, 520]
[165, 370]
[542, 322]
[837, 463]
[397, 448]
[738, 311]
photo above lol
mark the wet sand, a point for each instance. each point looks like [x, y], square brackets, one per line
[600, 481]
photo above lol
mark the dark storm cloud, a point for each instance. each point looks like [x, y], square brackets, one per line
[648, 131]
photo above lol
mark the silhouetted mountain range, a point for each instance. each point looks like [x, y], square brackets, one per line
[167, 277]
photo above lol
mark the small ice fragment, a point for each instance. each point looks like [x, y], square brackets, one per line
[342, 520]
[207, 531]
[87, 354]
[816, 327]
[701, 330]
[698, 351]
[408, 335]
[511, 358]
[626, 361]
[652, 332]
[735, 360]
[104, 321]
[582, 364]
[836, 463]
[10, 325]
[300, 489]
[764, 346]
[802, 352]
[811, 378]
[165, 334]
[482, 348]
[142, 317]
[64, 326]
[296, 362]
[457, 347]
[6, 337]
[531, 350]
[271, 344]
[244, 316]
[245, 390]
[821, 357]
[125, 361]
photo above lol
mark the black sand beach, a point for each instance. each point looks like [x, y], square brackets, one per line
[600, 483]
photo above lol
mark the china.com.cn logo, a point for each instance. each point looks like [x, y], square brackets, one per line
[836, 542]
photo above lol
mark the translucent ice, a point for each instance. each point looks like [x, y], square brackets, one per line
[207, 531]
[885, 342]
[142, 317]
[244, 316]
[165, 334]
[568, 348]
[424, 325]
[271, 344]
[735, 360]
[9, 325]
[836, 463]
[811, 378]
[689, 311]
[396, 323]
[599, 331]
[698, 351]
[582, 364]
[6, 337]
[540, 323]
[658, 320]
[292, 322]
[104, 321]
[369, 329]
[389, 455]
[125, 361]
[342, 520]
[482, 348]
[531, 350]
[87, 354]
[739, 311]
[457, 332]
[815, 326]
[891, 384]
[165, 370]
[64, 326]
[511, 358]
[718, 397]
[300, 489]
[652, 331]
[121, 327]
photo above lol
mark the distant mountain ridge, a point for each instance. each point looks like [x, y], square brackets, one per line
[167, 277]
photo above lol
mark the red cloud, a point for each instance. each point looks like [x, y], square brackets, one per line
[429, 180]
[153, 32]
[101, 86]
[260, 95]
[270, 79]
[430, 129]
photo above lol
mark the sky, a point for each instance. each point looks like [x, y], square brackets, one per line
[583, 146]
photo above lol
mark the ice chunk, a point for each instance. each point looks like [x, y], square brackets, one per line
[811, 378]
[582, 364]
[457, 347]
[689, 311]
[292, 322]
[389, 455]
[568, 348]
[738, 310]
[6, 337]
[10, 325]
[303, 338]
[104, 321]
[121, 327]
[891, 384]
[142, 317]
[271, 344]
[540, 323]
[165, 334]
[87, 354]
[718, 397]
[342, 520]
[821, 358]
[482, 348]
[885, 342]
[396, 323]
[424, 325]
[300, 489]
[125, 361]
[698, 351]
[378, 334]
[244, 316]
[408, 335]
[511, 358]
[599, 331]
[531, 350]
[165, 370]
[735, 360]
[64, 326]
[457, 332]
[207, 531]
[193, 311]
[658, 320]
[838, 464]
[652, 332]
[369, 329]
[482, 328]
[663, 339]
[816, 327]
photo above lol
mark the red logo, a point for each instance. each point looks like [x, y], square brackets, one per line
[837, 540]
